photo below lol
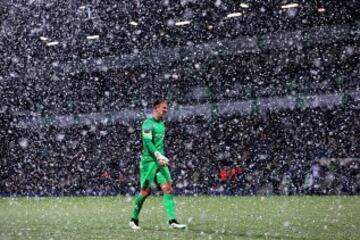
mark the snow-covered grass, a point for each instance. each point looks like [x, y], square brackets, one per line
[300, 217]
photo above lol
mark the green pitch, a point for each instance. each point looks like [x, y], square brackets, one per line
[207, 218]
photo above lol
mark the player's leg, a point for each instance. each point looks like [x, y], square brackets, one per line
[147, 175]
[169, 203]
[163, 177]
[139, 201]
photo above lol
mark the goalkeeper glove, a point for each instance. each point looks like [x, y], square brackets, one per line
[162, 160]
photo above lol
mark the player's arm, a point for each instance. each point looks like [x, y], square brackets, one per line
[147, 137]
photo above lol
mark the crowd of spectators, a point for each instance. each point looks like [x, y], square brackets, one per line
[154, 26]
[235, 78]
[57, 80]
[301, 151]
[141, 53]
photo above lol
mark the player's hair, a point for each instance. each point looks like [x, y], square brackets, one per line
[158, 102]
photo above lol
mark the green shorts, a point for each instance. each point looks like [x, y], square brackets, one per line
[151, 173]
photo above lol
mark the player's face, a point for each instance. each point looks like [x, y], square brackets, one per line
[162, 109]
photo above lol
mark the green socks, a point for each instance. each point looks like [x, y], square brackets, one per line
[139, 200]
[169, 206]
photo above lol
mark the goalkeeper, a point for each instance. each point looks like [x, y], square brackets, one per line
[154, 166]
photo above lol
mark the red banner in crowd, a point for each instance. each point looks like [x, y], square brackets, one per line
[230, 173]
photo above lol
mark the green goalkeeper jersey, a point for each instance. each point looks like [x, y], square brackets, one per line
[153, 138]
